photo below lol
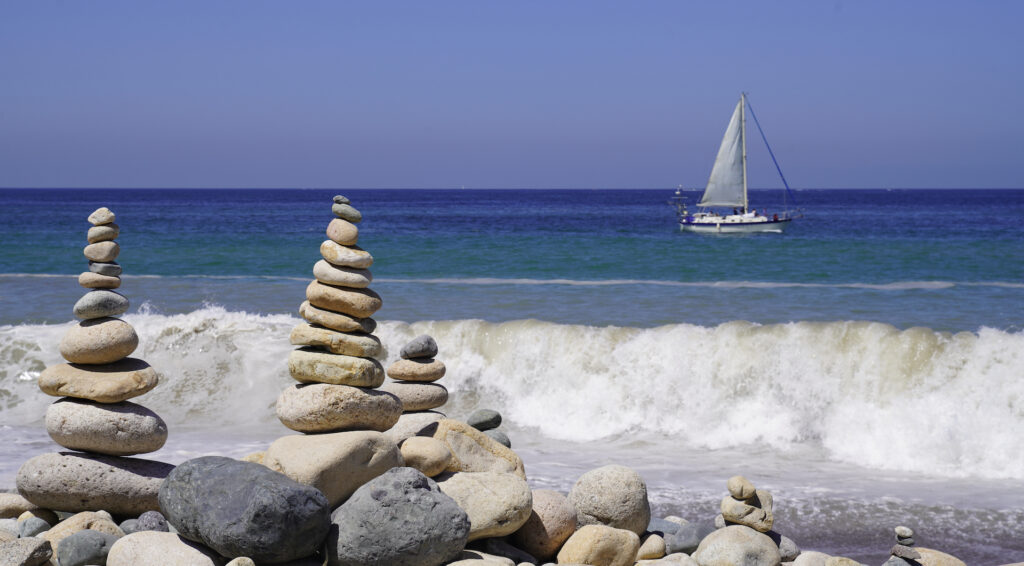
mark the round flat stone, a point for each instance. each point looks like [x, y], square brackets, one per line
[319, 407]
[91, 280]
[100, 303]
[357, 344]
[343, 276]
[101, 216]
[422, 346]
[417, 396]
[417, 369]
[335, 320]
[341, 199]
[112, 268]
[102, 233]
[345, 256]
[347, 212]
[98, 341]
[359, 303]
[116, 429]
[102, 252]
[308, 365]
[343, 232]
[107, 383]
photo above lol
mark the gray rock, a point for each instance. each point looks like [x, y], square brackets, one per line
[400, 518]
[897, 561]
[905, 541]
[662, 526]
[612, 495]
[26, 552]
[788, 549]
[9, 526]
[905, 552]
[737, 544]
[687, 537]
[347, 212]
[84, 548]
[499, 437]
[32, 526]
[153, 521]
[130, 526]
[100, 303]
[244, 509]
[484, 419]
[422, 346]
[111, 268]
[341, 199]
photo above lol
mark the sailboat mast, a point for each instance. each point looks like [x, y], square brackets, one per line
[743, 140]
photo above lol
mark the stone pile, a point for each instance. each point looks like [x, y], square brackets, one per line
[94, 418]
[487, 421]
[903, 552]
[747, 506]
[415, 377]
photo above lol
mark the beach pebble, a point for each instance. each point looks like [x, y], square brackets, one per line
[428, 455]
[13, 505]
[686, 538]
[400, 518]
[904, 532]
[101, 216]
[473, 451]
[424, 370]
[905, 552]
[337, 464]
[69, 481]
[343, 232]
[244, 509]
[165, 549]
[117, 429]
[358, 303]
[130, 526]
[359, 344]
[113, 269]
[335, 320]
[422, 346]
[612, 495]
[98, 341]
[108, 383]
[85, 547]
[99, 521]
[740, 487]
[102, 252]
[551, 522]
[25, 552]
[309, 365]
[91, 280]
[32, 526]
[652, 547]
[99, 304]
[341, 199]
[346, 212]
[788, 549]
[421, 423]
[497, 503]
[102, 233]
[930, 557]
[754, 512]
[152, 521]
[417, 396]
[320, 407]
[500, 437]
[484, 419]
[737, 544]
[601, 544]
[329, 274]
[345, 256]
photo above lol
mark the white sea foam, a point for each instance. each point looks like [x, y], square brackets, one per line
[864, 393]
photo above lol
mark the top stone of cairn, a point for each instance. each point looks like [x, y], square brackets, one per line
[342, 209]
[101, 216]
[422, 346]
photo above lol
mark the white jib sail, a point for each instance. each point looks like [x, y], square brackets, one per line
[725, 186]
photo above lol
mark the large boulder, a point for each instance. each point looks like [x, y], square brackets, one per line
[551, 522]
[165, 549]
[337, 463]
[600, 545]
[474, 451]
[612, 495]
[737, 544]
[245, 509]
[497, 503]
[400, 518]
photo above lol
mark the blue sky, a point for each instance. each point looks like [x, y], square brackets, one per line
[555, 94]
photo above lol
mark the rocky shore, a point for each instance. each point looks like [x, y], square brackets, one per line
[377, 473]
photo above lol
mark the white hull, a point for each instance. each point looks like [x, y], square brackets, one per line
[727, 227]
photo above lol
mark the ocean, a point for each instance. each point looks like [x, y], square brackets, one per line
[865, 366]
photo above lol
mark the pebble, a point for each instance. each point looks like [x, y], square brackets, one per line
[612, 495]
[417, 396]
[91, 280]
[100, 304]
[499, 436]
[45, 514]
[905, 552]
[309, 365]
[358, 344]
[99, 341]
[424, 370]
[108, 383]
[341, 199]
[32, 526]
[335, 320]
[551, 522]
[652, 547]
[26, 552]
[497, 503]
[85, 547]
[102, 252]
[112, 269]
[152, 521]
[100, 521]
[473, 451]
[102, 233]
[740, 487]
[360, 303]
[601, 544]
[422, 346]
[330, 274]
[117, 429]
[345, 256]
[484, 419]
[101, 216]
[319, 407]
[347, 212]
[343, 232]
[428, 455]
[904, 532]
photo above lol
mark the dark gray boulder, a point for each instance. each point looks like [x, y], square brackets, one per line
[244, 509]
[484, 419]
[400, 518]
[85, 547]
[687, 538]
[422, 346]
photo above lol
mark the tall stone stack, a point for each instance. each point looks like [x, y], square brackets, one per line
[415, 376]
[94, 418]
[335, 365]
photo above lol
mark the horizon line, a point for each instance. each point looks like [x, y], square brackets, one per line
[449, 188]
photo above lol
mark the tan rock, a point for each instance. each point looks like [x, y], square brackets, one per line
[421, 423]
[652, 547]
[343, 232]
[813, 558]
[103, 233]
[99, 341]
[320, 407]
[740, 487]
[359, 303]
[428, 455]
[107, 383]
[417, 369]
[838, 561]
[931, 557]
[99, 217]
[359, 344]
[241, 561]
[737, 544]
[551, 522]
[612, 495]
[13, 505]
[117, 429]
[417, 396]
[474, 451]
[102, 252]
[600, 545]
[163, 549]
[330, 274]
[309, 365]
[96, 521]
[345, 256]
[754, 512]
[335, 320]
[91, 280]
[337, 464]
[254, 457]
[497, 503]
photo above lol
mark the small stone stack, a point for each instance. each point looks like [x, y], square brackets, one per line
[335, 366]
[415, 375]
[94, 415]
[903, 552]
[747, 506]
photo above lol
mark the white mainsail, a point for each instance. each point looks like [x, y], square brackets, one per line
[726, 186]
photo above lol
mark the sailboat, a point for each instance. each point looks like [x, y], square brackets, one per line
[727, 187]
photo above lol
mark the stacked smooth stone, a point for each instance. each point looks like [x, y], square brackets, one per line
[415, 376]
[903, 552]
[335, 365]
[94, 416]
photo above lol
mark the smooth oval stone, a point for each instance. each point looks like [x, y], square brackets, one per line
[612, 495]
[99, 341]
[13, 505]
[85, 547]
[100, 521]
[417, 396]
[308, 365]
[343, 276]
[737, 544]
[343, 232]
[320, 407]
[100, 303]
[341, 199]
[335, 320]
[102, 252]
[552, 521]
[600, 544]
[166, 549]
[350, 344]
[422, 346]
[497, 503]
[32, 526]
[419, 369]
[484, 419]
[116, 429]
[101, 216]
[103, 233]
[347, 212]
[112, 269]
[345, 256]
[426, 454]
[91, 280]
[360, 303]
[70, 481]
[107, 383]
[499, 436]
[740, 487]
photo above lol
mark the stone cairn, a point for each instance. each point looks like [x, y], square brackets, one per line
[335, 366]
[415, 375]
[747, 506]
[94, 416]
[903, 552]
